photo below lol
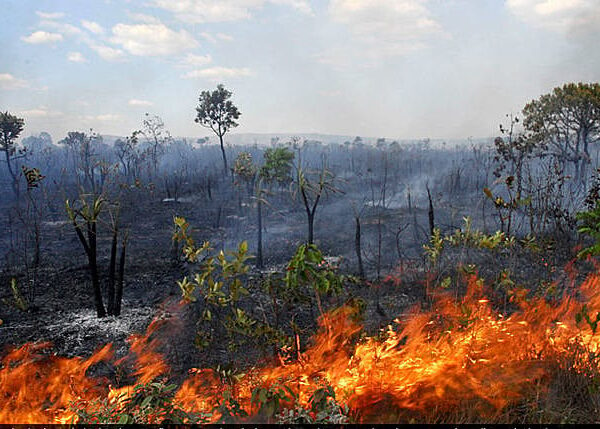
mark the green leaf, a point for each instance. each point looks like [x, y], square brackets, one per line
[147, 400]
[124, 419]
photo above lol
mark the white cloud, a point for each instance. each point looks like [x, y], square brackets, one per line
[92, 26]
[49, 15]
[8, 81]
[146, 19]
[134, 102]
[201, 11]
[217, 73]
[76, 57]
[577, 16]
[108, 53]
[40, 112]
[39, 37]
[152, 39]
[61, 27]
[197, 60]
[217, 37]
[386, 28]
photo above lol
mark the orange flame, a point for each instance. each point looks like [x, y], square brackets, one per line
[456, 352]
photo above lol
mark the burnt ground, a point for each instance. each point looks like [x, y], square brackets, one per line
[63, 307]
[60, 288]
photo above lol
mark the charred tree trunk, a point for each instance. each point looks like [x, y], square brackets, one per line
[93, 264]
[310, 213]
[225, 169]
[358, 249]
[218, 220]
[110, 291]
[259, 250]
[431, 215]
[121, 277]
[311, 228]
[13, 175]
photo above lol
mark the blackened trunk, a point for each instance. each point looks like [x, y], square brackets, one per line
[14, 181]
[92, 259]
[311, 222]
[110, 291]
[431, 217]
[121, 277]
[224, 155]
[357, 247]
[259, 252]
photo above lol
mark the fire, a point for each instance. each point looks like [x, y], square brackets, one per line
[458, 353]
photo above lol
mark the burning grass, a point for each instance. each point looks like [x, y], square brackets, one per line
[460, 361]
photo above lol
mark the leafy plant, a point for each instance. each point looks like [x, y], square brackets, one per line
[308, 268]
[590, 225]
[278, 165]
[229, 409]
[468, 237]
[218, 282]
[151, 403]
[323, 409]
[585, 315]
[271, 400]
[17, 297]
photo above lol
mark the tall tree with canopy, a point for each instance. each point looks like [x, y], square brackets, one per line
[217, 112]
[10, 129]
[567, 120]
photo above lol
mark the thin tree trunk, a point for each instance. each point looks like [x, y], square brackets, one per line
[112, 273]
[431, 216]
[14, 182]
[259, 251]
[121, 277]
[92, 258]
[224, 155]
[357, 247]
[311, 221]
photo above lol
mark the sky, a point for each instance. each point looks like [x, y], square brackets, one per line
[399, 69]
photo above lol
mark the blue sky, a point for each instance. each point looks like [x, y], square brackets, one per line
[389, 68]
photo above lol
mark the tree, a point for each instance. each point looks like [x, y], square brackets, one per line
[514, 149]
[278, 165]
[217, 112]
[10, 128]
[567, 120]
[84, 216]
[38, 143]
[245, 169]
[153, 128]
[129, 155]
[311, 191]
[84, 156]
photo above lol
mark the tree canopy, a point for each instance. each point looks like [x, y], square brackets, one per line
[278, 165]
[217, 112]
[567, 121]
[11, 127]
